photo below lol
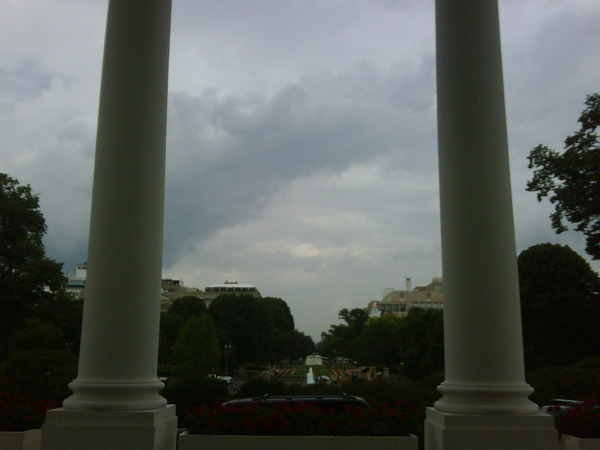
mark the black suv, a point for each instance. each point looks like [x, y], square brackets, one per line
[337, 402]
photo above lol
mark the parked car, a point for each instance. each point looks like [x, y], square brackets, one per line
[559, 406]
[338, 402]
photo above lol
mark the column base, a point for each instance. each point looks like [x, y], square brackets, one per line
[495, 399]
[115, 395]
[491, 432]
[67, 429]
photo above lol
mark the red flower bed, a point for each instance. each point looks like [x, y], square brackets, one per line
[581, 421]
[303, 419]
[17, 414]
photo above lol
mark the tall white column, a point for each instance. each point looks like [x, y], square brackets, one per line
[482, 321]
[119, 343]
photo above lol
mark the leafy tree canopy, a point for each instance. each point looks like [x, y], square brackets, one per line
[414, 343]
[196, 349]
[343, 339]
[571, 180]
[560, 306]
[422, 342]
[260, 330]
[243, 322]
[188, 306]
[24, 269]
[380, 341]
[279, 313]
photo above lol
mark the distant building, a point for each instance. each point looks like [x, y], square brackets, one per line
[174, 289]
[76, 281]
[171, 289]
[229, 287]
[399, 302]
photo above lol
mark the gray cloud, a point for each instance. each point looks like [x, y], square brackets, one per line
[229, 155]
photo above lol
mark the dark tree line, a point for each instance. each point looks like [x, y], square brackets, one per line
[413, 344]
[248, 329]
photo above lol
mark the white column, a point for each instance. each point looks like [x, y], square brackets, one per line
[119, 343]
[482, 322]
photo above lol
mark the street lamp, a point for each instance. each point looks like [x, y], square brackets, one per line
[228, 348]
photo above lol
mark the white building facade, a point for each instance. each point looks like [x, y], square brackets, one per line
[399, 302]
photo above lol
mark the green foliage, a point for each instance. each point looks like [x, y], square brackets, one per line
[194, 391]
[344, 339]
[279, 312]
[356, 319]
[380, 341]
[24, 268]
[36, 335]
[196, 349]
[291, 344]
[422, 342]
[579, 381]
[560, 306]
[38, 374]
[414, 343]
[170, 324]
[243, 321]
[63, 313]
[257, 387]
[570, 179]
[261, 330]
[188, 306]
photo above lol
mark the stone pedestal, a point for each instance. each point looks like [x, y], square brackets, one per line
[67, 429]
[476, 432]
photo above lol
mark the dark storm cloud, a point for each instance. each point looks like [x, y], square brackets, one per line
[229, 155]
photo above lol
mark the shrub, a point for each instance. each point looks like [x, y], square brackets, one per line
[256, 387]
[576, 381]
[193, 391]
[38, 374]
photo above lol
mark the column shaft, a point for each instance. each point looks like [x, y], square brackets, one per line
[483, 338]
[119, 344]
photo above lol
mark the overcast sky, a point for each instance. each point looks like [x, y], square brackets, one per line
[301, 150]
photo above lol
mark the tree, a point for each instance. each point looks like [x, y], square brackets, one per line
[243, 321]
[280, 315]
[560, 306]
[36, 335]
[25, 271]
[196, 349]
[571, 180]
[188, 306]
[344, 339]
[260, 330]
[356, 319]
[380, 341]
[170, 324]
[421, 343]
[292, 344]
[62, 312]
[38, 374]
